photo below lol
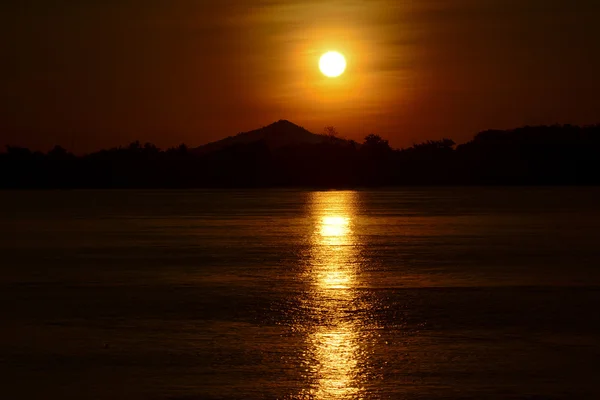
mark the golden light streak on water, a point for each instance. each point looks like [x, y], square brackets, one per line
[333, 354]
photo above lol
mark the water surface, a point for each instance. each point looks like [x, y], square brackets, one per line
[447, 293]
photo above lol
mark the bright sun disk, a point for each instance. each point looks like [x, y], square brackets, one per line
[332, 64]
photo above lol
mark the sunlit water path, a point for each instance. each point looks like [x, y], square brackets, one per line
[483, 293]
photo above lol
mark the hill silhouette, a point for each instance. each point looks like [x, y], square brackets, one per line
[285, 155]
[279, 134]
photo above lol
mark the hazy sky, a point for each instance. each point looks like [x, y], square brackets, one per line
[96, 73]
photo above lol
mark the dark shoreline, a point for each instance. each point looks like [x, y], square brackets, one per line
[530, 156]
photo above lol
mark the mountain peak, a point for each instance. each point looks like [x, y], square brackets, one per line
[283, 122]
[278, 134]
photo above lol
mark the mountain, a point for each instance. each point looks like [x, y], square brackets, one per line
[279, 134]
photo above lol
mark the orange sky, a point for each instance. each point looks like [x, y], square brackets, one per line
[92, 73]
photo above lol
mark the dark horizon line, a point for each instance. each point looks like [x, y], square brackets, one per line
[341, 138]
[542, 155]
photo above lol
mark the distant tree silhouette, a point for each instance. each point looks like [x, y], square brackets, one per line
[57, 152]
[376, 142]
[330, 131]
[377, 161]
[18, 153]
[531, 155]
[434, 145]
[135, 147]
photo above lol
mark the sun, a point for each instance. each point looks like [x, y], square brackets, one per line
[332, 64]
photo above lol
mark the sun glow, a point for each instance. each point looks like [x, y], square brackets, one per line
[332, 64]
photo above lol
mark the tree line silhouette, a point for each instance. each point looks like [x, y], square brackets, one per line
[531, 155]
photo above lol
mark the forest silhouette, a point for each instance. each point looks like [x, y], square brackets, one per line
[531, 155]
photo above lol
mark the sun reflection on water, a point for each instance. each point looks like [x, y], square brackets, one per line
[334, 351]
[335, 227]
